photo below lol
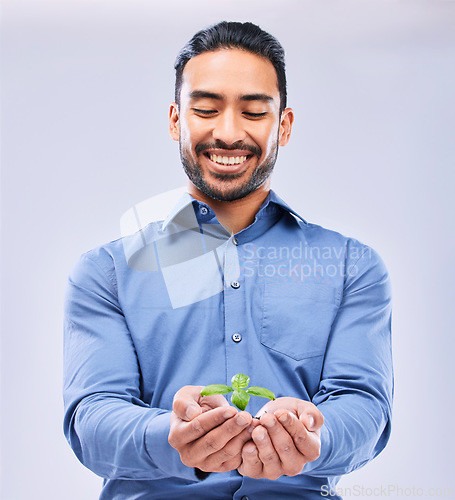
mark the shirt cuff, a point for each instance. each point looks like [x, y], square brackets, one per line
[166, 458]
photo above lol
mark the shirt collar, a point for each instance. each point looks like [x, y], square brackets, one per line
[272, 199]
[185, 200]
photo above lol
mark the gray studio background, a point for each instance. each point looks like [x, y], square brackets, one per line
[85, 92]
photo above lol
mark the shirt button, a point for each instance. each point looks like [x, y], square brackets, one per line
[204, 210]
[236, 337]
[235, 241]
[235, 284]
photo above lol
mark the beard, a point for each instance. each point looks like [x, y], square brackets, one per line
[225, 187]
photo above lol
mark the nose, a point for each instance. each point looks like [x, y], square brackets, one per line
[228, 127]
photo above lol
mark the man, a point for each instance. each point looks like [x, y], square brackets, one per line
[231, 281]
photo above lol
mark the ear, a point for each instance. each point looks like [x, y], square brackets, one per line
[174, 127]
[287, 119]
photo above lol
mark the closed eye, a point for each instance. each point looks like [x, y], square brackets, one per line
[254, 115]
[205, 112]
[211, 112]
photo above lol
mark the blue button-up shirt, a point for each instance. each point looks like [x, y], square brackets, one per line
[302, 310]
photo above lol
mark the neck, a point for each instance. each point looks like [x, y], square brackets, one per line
[234, 215]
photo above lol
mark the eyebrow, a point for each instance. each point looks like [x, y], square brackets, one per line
[201, 94]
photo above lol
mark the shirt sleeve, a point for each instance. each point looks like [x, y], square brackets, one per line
[356, 389]
[110, 429]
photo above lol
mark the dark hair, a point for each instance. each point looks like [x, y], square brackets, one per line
[229, 35]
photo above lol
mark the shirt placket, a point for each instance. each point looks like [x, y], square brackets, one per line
[234, 312]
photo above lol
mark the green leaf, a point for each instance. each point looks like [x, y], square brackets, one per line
[260, 391]
[240, 399]
[240, 381]
[209, 390]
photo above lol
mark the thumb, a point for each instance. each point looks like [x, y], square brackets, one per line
[312, 418]
[186, 402]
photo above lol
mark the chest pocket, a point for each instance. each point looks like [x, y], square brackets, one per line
[297, 317]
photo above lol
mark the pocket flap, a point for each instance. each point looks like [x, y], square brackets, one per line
[297, 317]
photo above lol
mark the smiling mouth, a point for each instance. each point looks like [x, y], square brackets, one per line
[228, 160]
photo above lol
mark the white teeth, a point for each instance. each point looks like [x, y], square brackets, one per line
[227, 160]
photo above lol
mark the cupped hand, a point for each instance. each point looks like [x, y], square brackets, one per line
[207, 432]
[286, 437]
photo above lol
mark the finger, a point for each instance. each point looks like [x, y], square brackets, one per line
[254, 423]
[307, 443]
[183, 432]
[186, 402]
[297, 406]
[311, 417]
[277, 404]
[251, 464]
[271, 463]
[217, 438]
[230, 456]
[292, 461]
[211, 402]
[235, 445]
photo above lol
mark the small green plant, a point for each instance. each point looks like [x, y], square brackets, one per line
[241, 391]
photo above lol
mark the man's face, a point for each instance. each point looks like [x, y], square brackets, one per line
[228, 123]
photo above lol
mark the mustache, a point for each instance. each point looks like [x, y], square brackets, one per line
[256, 150]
